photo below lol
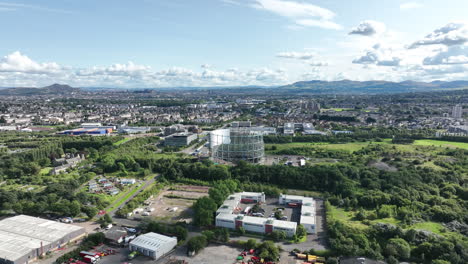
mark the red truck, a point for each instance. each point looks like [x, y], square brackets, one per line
[90, 259]
[88, 253]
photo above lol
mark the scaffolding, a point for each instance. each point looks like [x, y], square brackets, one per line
[236, 144]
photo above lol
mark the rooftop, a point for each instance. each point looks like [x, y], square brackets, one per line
[37, 228]
[152, 241]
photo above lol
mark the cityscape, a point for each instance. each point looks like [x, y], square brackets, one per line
[337, 134]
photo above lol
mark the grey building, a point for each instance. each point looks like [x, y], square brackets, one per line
[153, 245]
[180, 139]
[24, 238]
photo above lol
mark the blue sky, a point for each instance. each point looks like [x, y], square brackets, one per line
[164, 43]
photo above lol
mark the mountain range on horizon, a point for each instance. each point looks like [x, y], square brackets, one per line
[302, 87]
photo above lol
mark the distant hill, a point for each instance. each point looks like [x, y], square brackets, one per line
[368, 87]
[57, 89]
[302, 87]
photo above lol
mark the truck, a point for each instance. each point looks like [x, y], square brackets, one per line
[88, 253]
[90, 259]
[247, 210]
[132, 255]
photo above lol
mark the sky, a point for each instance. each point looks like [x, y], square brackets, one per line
[187, 43]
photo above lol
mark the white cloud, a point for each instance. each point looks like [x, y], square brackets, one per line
[455, 33]
[380, 55]
[19, 70]
[410, 5]
[319, 64]
[368, 28]
[302, 14]
[449, 55]
[17, 62]
[296, 55]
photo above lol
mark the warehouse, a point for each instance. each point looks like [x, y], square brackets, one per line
[88, 131]
[228, 216]
[25, 238]
[153, 245]
[180, 139]
[307, 209]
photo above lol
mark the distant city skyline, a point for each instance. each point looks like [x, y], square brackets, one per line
[177, 43]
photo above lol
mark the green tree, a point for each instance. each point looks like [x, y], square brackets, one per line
[197, 243]
[301, 231]
[398, 248]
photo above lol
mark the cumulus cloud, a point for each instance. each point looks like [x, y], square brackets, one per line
[410, 5]
[319, 64]
[128, 69]
[368, 28]
[455, 33]
[380, 55]
[17, 62]
[302, 14]
[19, 70]
[296, 55]
[448, 55]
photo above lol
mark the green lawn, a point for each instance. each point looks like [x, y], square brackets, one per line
[346, 217]
[351, 147]
[45, 171]
[338, 109]
[122, 141]
[118, 202]
[440, 143]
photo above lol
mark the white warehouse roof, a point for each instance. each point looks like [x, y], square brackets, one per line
[13, 247]
[38, 228]
[152, 241]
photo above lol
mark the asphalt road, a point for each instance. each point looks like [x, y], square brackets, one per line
[146, 184]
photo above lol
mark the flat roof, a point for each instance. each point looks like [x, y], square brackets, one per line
[252, 193]
[227, 216]
[254, 220]
[307, 220]
[284, 224]
[13, 246]
[152, 241]
[37, 228]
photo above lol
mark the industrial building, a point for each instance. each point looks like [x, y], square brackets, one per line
[255, 224]
[88, 131]
[308, 210]
[236, 144]
[133, 130]
[25, 238]
[180, 139]
[153, 245]
[228, 216]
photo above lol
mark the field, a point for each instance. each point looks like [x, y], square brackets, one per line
[347, 217]
[122, 141]
[174, 204]
[440, 143]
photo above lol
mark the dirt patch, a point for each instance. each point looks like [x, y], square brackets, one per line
[174, 204]
[380, 165]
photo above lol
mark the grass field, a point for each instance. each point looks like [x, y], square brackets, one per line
[347, 217]
[45, 171]
[338, 109]
[351, 147]
[118, 202]
[355, 146]
[440, 143]
[120, 142]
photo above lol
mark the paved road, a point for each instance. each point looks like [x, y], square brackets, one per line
[146, 184]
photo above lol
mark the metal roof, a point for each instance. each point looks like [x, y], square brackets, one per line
[152, 241]
[37, 228]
